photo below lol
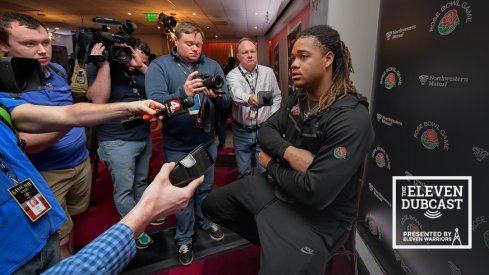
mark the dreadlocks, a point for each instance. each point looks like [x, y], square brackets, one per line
[328, 39]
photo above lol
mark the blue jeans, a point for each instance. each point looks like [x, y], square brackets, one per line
[46, 258]
[128, 162]
[186, 218]
[245, 144]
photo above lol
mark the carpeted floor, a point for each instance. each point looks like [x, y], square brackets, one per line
[102, 215]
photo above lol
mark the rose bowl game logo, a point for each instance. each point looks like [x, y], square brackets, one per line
[431, 136]
[449, 22]
[449, 17]
[429, 139]
[390, 81]
[447, 203]
[390, 78]
[381, 158]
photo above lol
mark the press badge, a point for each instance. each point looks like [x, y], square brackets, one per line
[252, 113]
[30, 199]
[194, 110]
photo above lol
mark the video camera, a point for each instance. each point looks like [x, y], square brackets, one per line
[20, 75]
[211, 82]
[86, 38]
[265, 98]
[173, 107]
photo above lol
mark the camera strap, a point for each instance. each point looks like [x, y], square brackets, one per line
[247, 80]
[132, 83]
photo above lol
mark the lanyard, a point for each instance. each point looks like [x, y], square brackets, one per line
[249, 84]
[132, 82]
[185, 71]
[7, 171]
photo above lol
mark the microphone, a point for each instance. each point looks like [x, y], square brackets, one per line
[173, 106]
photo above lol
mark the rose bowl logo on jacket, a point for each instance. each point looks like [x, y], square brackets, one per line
[450, 16]
[449, 22]
[390, 78]
[340, 152]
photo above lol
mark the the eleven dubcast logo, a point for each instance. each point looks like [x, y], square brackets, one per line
[447, 19]
[444, 203]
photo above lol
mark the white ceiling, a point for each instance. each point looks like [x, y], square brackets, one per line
[229, 19]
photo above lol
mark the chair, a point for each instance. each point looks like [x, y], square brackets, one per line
[347, 255]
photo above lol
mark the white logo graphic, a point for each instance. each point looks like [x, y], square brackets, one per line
[441, 80]
[423, 78]
[387, 120]
[479, 153]
[456, 237]
[307, 250]
[451, 195]
[399, 33]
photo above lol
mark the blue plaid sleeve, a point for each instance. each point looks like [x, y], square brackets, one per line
[109, 253]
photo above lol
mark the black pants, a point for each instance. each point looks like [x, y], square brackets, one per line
[291, 241]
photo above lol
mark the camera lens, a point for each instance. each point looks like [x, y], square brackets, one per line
[218, 81]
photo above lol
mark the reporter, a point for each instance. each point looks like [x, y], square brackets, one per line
[98, 257]
[29, 243]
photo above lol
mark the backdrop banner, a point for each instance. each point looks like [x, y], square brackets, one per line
[424, 206]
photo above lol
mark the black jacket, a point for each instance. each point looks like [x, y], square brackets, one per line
[339, 137]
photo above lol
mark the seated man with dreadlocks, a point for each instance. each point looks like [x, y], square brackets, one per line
[313, 149]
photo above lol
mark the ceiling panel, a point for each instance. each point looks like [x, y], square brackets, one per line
[231, 17]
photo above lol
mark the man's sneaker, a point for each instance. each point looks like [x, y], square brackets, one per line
[144, 241]
[159, 221]
[185, 254]
[215, 232]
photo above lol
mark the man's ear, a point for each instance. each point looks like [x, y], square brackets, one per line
[328, 59]
[4, 47]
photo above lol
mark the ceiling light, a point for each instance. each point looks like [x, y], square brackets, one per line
[256, 13]
[193, 13]
[217, 36]
[159, 28]
[129, 13]
[207, 27]
[56, 28]
[108, 27]
[255, 27]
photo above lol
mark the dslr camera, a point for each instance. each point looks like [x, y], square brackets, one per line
[211, 82]
[86, 38]
[265, 98]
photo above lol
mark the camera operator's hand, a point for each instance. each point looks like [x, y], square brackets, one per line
[193, 86]
[136, 60]
[98, 54]
[253, 100]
